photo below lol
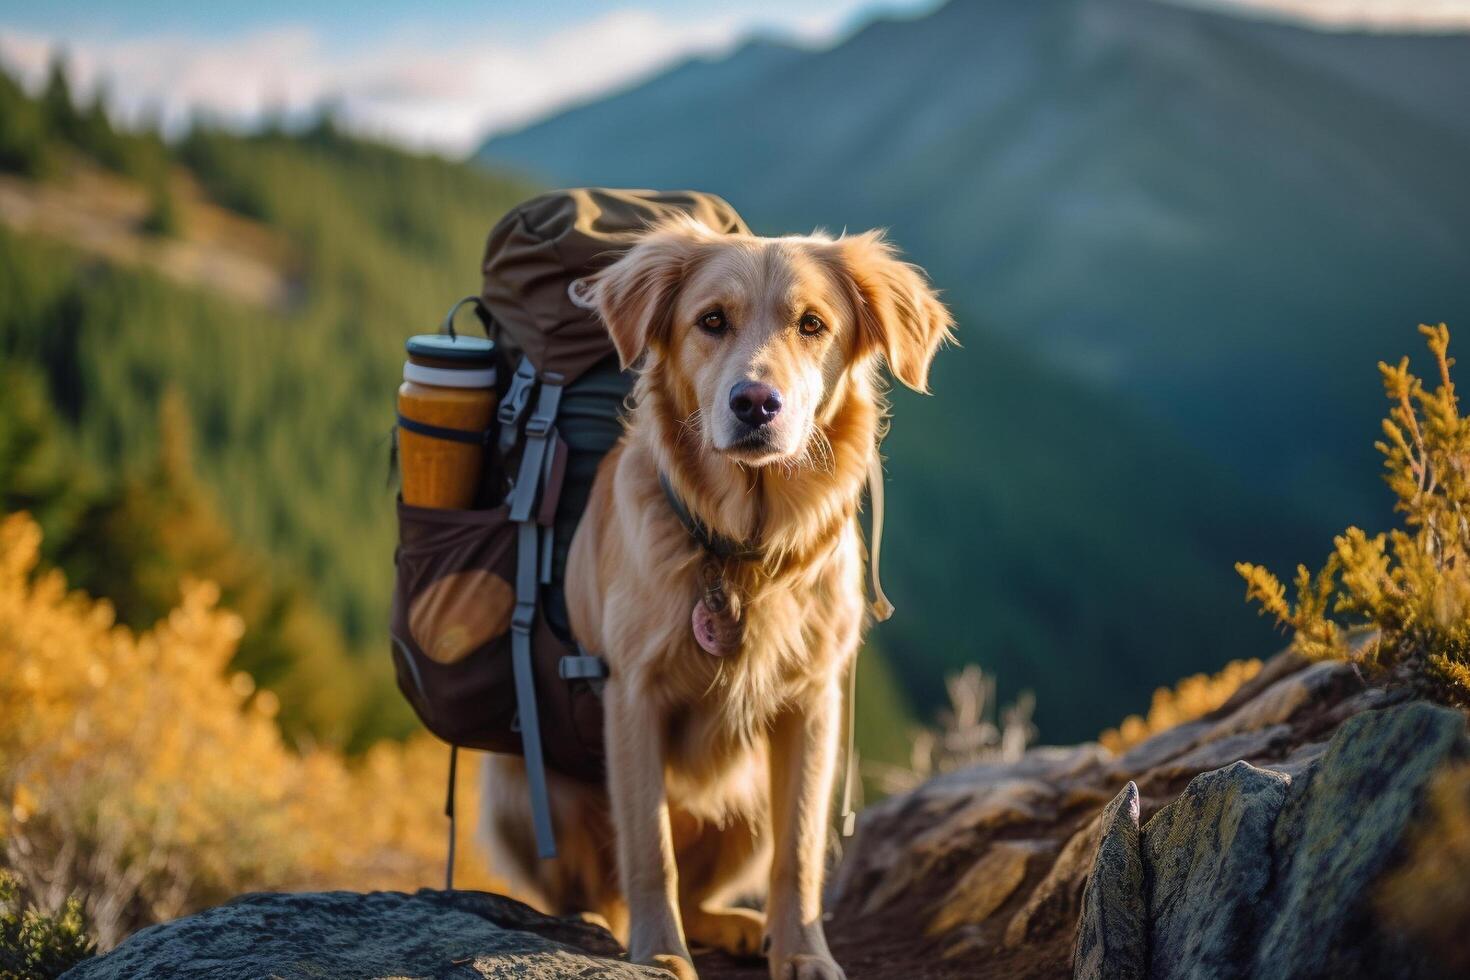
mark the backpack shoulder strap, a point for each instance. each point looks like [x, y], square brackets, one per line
[540, 430]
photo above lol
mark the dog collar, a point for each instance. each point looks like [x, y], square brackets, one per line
[717, 545]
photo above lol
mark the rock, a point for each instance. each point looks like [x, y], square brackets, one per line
[381, 934]
[1112, 929]
[1328, 680]
[1058, 895]
[1157, 749]
[1338, 833]
[1301, 760]
[1373, 699]
[986, 886]
[1054, 765]
[1284, 687]
[947, 818]
[1008, 802]
[890, 871]
[1284, 663]
[1207, 860]
[1270, 872]
[1218, 752]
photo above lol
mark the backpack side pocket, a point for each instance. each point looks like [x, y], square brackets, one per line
[450, 623]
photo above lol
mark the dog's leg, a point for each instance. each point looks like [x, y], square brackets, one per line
[803, 754]
[723, 864]
[505, 832]
[645, 843]
[583, 877]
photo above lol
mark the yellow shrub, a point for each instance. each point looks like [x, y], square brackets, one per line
[136, 770]
[1411, 586]
[1194, 697]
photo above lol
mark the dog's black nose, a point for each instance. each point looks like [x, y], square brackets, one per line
[754, 403]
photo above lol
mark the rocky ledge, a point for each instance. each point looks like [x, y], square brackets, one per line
[1248, 843]
[431, 934]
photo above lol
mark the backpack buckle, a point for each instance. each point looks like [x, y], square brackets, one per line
[582, 667]
[513, 405]
[524, 617]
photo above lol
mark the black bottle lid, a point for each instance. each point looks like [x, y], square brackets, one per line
[468, 351]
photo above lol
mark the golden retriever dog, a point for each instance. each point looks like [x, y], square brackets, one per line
[757, 411]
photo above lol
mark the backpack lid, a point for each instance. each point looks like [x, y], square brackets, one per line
[539, 247]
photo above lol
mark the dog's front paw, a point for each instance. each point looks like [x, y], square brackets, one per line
[806, 966]
[674, 963]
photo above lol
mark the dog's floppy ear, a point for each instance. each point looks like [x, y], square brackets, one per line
[899, 313]
[635, 295]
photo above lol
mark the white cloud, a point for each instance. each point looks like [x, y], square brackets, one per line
[420, 91]
[1381, 15]
[447, 93]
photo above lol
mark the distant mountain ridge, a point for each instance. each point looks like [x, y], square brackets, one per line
[1219, 224]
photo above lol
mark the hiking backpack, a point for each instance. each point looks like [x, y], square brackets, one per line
[481, 643]
[480, 640]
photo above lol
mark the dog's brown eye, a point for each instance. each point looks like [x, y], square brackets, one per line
[811, 325]
[713, 322]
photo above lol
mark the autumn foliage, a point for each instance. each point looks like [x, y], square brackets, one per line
[140, 773]
[1411, 587]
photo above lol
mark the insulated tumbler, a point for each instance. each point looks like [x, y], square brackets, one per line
[449, 385]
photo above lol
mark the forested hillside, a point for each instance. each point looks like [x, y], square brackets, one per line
[159, 427]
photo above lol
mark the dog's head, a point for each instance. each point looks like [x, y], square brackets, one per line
[760, 335]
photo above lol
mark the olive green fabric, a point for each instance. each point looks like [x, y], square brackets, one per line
[590, 422]
[538, 248]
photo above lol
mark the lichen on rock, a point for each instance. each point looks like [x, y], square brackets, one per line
[1112, 929]
[379, 934]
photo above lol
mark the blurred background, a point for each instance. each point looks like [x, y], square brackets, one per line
[1178, 236]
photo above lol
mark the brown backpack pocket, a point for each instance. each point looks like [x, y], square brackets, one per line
[452, 603]
[453, 599]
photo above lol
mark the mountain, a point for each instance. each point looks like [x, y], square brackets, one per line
[1173, 202]
[1212, 224]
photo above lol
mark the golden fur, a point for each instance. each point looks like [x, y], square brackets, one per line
[720, 768]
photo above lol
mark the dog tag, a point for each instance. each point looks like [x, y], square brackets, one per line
[705, 632]
[716, 617]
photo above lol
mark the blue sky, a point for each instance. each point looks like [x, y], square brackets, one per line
[440, 75]
[443, 75]
[356, 22]
[359, 22]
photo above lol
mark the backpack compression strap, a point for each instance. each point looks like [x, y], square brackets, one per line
[540, 433]
[474, 437]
